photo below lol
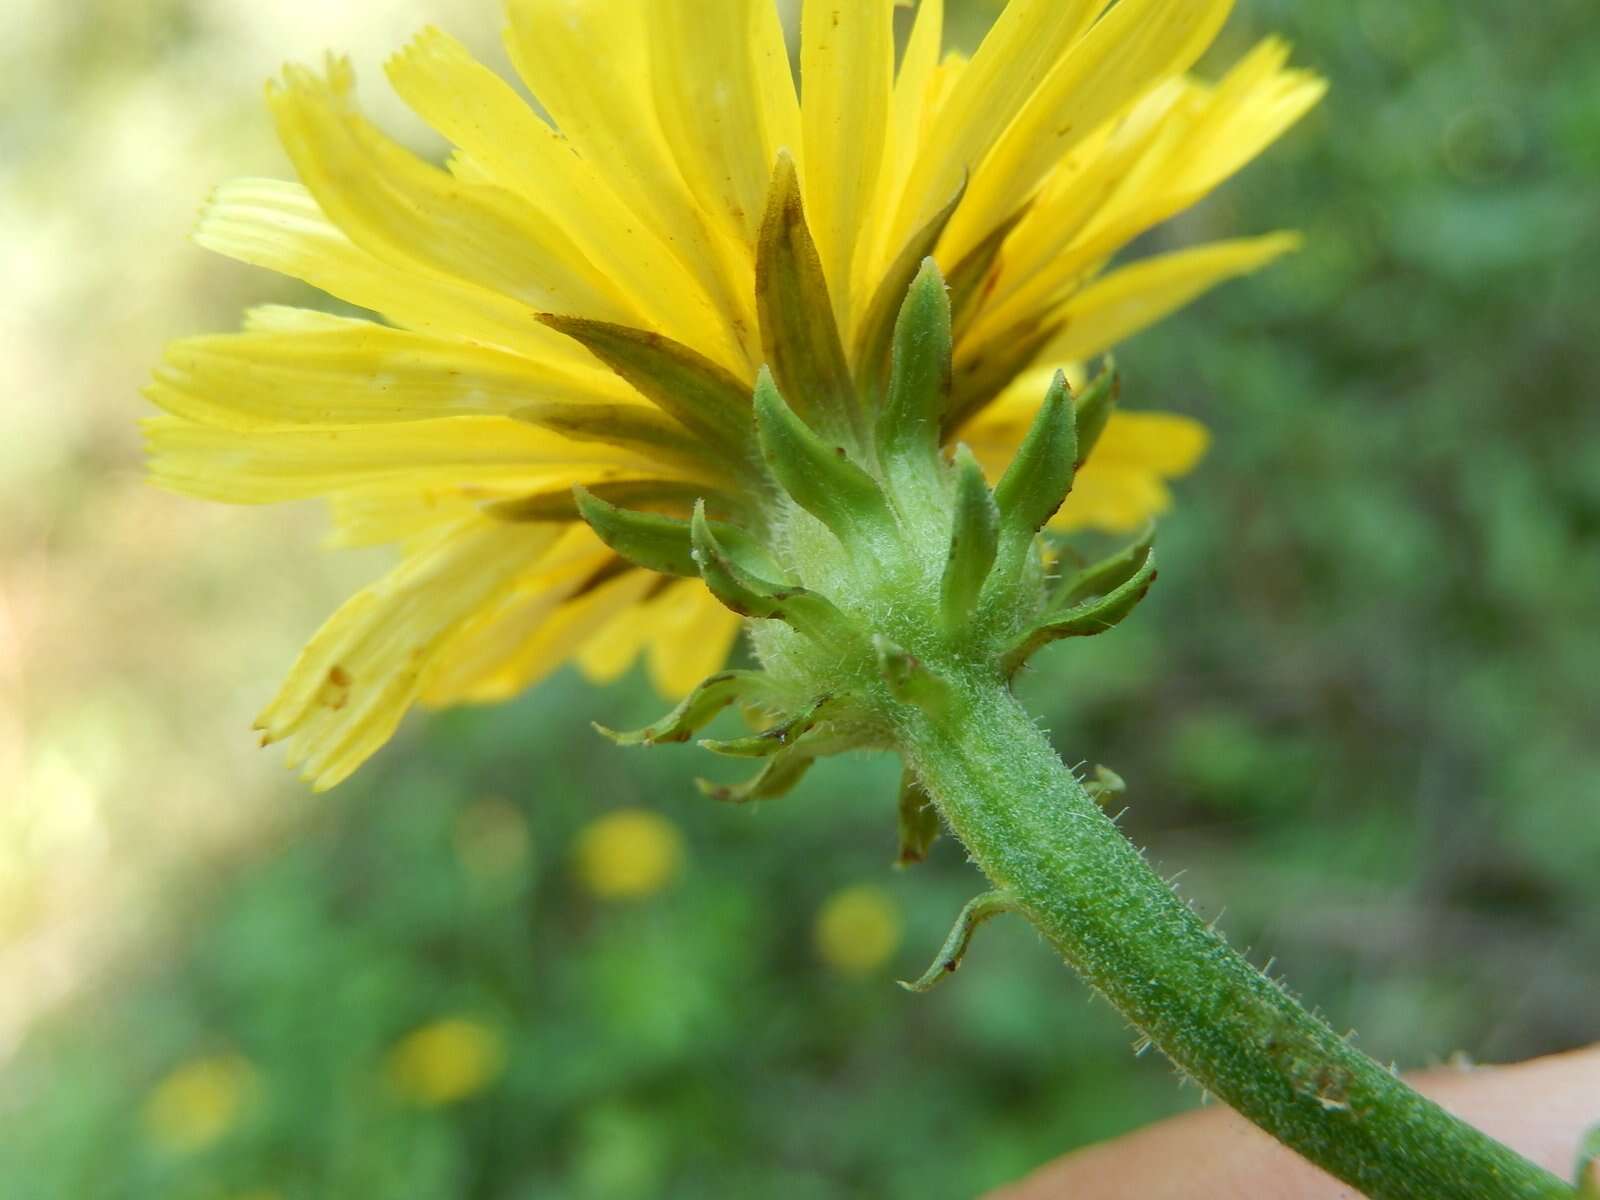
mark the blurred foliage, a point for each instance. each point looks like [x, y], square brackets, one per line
[1359, 711]
[129, 619]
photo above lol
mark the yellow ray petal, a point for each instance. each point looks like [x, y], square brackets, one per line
[1167, 444]
[692, 635]
[507, 143]
[1133, 297]
[687, 632]
[907, 104]
[1137, 44]
[498, 630]
[396, 511]
[550, 637]
[606, 656]
[401, 208]
[726, 100]
[357, 677]
[356, 372]
[277, 225]
[1015, 57]
[1177, 144]
[1250, 108]
[1112, 499]
[286, 318]
[1037, 265]
[588, 62]
[940, 84]
[510, 457]
[846, 76]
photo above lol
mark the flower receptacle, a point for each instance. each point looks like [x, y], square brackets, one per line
[885, 580]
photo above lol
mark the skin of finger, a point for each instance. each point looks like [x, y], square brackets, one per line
[1539, 1108]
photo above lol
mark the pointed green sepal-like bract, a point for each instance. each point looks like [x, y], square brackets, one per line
[770, 741]
[778, 775]
[696, 710]
[919, 378]
[798, 333]
[1106, 575]
[1094, 408]
[750, 595]
[974, 537]
[691, 389]
[630, 426]
[909, 679]
[647, 539]
[1040, 476]
[1100, 613]
[1085, 619]
[662, 543]
[978, 910]
[918, 821]
[818, 476]
[873, 355]
[747, 595]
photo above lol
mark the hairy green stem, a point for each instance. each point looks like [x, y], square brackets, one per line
[1037, 834]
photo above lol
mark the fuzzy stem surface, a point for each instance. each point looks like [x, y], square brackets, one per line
[1035, 832]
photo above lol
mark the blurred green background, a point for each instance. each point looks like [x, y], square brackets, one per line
[509, 962]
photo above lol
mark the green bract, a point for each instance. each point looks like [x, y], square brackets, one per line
[886, 578]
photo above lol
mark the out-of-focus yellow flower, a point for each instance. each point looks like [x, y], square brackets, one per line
[199, 1102]
[520, 283]
[492, 840]
[446, 1061]
[629, 854]
[858, 929]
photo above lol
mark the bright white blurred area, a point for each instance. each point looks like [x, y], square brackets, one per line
[139, 631]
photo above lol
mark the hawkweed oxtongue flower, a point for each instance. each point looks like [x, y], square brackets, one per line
[696, 352]
[588, 300]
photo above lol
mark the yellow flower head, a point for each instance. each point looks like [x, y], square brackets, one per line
[858, 929]
[446, 1061]
[198, 1102]
[533, 292]
[629, 854]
